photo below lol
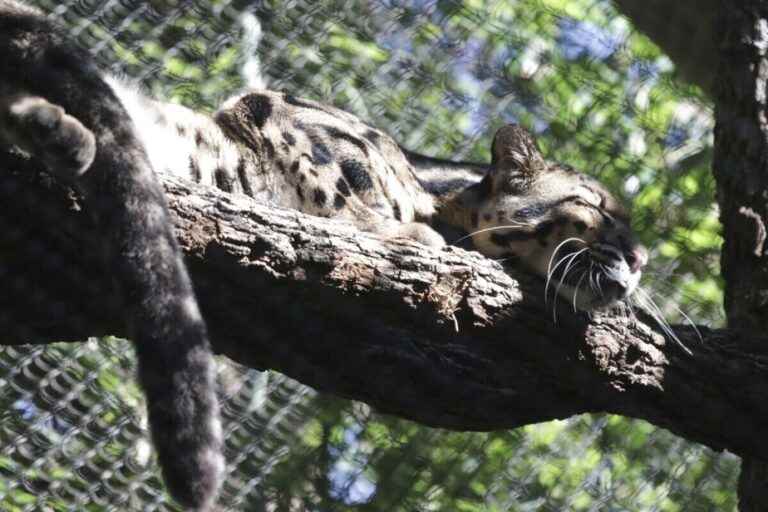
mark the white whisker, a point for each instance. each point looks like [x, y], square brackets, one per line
[554, 253]
[552, 258]
[657, 315]
[493, 228]
[686, 317]
[662, 282]
[560, 282]
[592, 277]
[567, 269]
[550, 273]
[578, 285]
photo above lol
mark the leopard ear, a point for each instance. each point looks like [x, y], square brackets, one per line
[515, 149]
[515, 161]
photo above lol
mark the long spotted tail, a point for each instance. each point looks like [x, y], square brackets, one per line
[42, 73]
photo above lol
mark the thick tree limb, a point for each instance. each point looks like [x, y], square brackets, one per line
[377, 321]
[683, 29]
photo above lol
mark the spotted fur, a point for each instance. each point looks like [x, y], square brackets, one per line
[55, 106]
[321, 160]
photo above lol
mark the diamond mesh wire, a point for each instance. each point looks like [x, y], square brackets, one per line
[439, 77]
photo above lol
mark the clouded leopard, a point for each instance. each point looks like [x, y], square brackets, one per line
[293, 152]
[324, 161]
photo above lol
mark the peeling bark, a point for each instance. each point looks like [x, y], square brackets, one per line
[446, 338]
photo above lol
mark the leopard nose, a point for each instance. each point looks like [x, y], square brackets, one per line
[637, 258]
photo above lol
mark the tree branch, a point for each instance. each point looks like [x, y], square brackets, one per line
[446, 338]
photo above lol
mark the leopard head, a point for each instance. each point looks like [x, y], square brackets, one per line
[562, 224]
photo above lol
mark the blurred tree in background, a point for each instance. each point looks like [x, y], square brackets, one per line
[440, 77]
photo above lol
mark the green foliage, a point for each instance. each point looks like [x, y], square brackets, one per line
[440, 77]
[372, 462]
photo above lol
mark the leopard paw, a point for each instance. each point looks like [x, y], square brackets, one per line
[46, 131]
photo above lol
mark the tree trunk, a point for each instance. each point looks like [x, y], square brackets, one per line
[741, 155]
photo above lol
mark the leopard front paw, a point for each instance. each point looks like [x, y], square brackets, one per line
[46, 131]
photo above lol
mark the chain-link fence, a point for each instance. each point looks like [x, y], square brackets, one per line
[439, 76]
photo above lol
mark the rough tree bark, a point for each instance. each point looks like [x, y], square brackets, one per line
[741, 157]
[446, 338]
